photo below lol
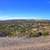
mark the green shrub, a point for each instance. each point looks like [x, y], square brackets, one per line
[45, 33]
[11, 34]
[34, 35]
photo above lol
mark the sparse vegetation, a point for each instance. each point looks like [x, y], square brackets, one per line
[45, 33]
[26, 28]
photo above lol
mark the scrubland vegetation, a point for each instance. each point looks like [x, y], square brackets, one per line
[26, 28]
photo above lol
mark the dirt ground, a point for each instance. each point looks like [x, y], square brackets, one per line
[40, 43]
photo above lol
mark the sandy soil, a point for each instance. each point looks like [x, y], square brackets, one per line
[40, 43]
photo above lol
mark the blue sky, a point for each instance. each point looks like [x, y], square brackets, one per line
[24, 9]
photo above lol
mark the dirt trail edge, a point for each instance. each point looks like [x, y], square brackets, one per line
[40, 43]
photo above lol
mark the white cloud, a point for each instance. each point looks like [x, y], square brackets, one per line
[8, 18]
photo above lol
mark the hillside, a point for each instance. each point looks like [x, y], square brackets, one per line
[26, 28]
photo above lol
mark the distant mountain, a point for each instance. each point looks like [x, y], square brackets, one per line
[22, 21]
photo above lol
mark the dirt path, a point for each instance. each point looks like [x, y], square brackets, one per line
[40, 43]
[41, 46]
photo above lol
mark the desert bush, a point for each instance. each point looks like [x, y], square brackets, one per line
[45, 33]
[35, 34]
[11, 34]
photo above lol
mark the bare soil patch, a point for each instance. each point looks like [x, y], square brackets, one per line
[40, 43]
